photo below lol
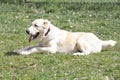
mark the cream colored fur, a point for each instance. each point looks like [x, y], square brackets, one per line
[57, 40]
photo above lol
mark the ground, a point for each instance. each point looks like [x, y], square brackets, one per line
[102, 19]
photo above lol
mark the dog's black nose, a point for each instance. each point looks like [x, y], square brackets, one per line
[27, 31]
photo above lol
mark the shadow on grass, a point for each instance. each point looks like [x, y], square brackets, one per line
[10, 53]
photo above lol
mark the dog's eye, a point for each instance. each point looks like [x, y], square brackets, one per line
[36, 25]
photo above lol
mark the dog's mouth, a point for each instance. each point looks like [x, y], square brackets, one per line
[32, 37]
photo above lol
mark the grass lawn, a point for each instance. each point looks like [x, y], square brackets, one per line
[100, 19]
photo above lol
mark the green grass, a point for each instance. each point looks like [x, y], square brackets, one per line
[104, 21]
[78, 0]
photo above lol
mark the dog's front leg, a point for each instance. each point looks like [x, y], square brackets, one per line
[36, 49]
[26, 50]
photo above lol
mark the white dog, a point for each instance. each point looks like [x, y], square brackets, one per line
[52, 39]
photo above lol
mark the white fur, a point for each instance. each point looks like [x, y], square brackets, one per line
[57, 40]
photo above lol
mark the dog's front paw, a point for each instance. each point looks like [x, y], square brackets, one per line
[24, 52]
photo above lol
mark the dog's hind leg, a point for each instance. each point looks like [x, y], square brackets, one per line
[83, 48]
[80, 53]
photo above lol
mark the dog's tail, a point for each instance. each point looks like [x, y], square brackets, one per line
[108, 44]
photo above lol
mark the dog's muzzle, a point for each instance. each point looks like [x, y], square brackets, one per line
[32, 37]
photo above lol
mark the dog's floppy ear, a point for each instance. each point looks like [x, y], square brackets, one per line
[47, 26]
[46, 22]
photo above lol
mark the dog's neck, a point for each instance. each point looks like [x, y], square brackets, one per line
[50, 34]
[51, 29]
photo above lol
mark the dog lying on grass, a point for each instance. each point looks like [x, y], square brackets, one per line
[52, 40]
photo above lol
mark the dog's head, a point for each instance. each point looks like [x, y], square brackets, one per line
[39, 28]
